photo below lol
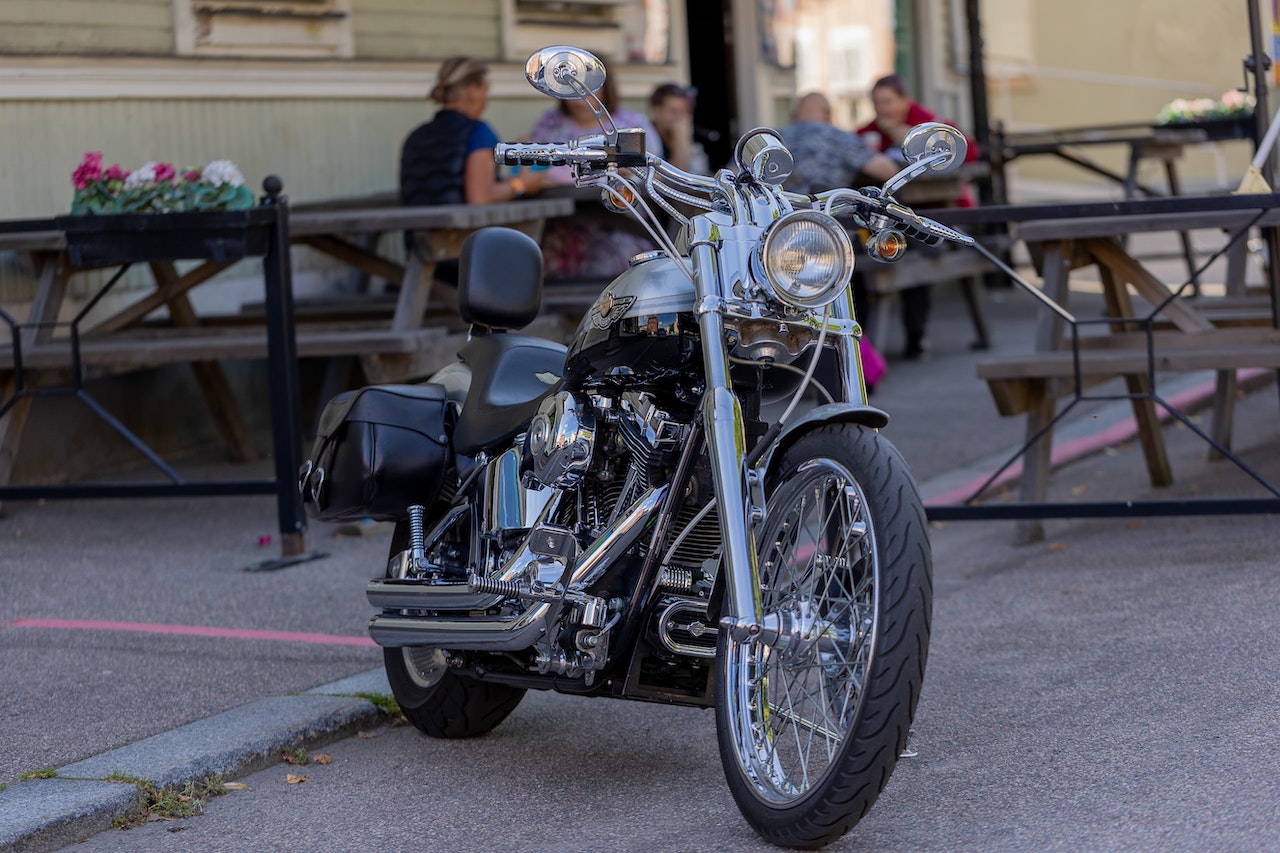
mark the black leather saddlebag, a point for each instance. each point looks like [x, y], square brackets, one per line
[378, 450]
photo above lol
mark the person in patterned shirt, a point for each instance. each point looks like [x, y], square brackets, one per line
[826, 156]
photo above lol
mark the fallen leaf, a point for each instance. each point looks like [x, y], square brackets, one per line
[321, 758]
[1079, 490]
[366, 735]
[235, 786]
[295, 778]
[1133, 525]
[290, 758]
[152, 817]
[1057, 546]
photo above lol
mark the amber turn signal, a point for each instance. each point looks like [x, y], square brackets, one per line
[888, 245]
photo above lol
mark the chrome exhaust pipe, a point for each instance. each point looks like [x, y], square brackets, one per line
[510, 633]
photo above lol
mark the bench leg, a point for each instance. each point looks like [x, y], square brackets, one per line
[975, 299]
[1037, 459]
[1153, 449]
[1139, 385]
[12, 424]
[1224, 408]
[209, 376]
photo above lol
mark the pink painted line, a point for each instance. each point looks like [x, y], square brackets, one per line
[195, 631]
[1080, 447]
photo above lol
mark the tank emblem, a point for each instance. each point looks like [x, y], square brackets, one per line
[609, 310]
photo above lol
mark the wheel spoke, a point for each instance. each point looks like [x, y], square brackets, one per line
[818, 575]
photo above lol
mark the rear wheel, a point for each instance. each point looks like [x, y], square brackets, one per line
[438, 702]
[811, 723]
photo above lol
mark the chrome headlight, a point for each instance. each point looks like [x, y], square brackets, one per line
[808, 259]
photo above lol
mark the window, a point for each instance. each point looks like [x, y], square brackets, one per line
[305, 29]
[635, 31]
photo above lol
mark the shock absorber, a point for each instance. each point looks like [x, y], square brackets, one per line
[417, 537]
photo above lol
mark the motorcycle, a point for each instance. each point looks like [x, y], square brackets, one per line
[648, 513]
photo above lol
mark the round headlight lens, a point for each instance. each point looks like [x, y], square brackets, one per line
[808, 259]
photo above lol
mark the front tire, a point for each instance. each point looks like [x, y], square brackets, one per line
[810, 727]
[439, 703]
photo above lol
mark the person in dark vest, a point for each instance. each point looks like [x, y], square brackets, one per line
[449, 160]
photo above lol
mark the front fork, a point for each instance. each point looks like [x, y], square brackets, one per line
[726, 438]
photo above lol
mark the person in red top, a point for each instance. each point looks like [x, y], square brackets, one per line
[897, 113]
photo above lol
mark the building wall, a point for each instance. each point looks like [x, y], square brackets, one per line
[1098, 62]
[90, 75]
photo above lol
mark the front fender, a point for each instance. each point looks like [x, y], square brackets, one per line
[832, 413]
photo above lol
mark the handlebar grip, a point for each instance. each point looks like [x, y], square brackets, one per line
[945, 233]
[531, 154]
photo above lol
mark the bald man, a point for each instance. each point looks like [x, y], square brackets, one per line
[825, 156]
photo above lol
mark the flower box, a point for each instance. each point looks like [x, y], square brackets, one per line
[1217, 129]
[94, 241]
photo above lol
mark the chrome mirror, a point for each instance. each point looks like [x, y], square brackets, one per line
[941, 144]
[564, 72]
[761, 154]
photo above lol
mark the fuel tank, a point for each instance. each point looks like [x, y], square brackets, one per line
[640, 330]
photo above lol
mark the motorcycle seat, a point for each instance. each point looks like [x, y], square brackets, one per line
[510, 374]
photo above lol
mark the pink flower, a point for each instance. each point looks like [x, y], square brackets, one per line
[89, 170]
[165, 172]
[116, 173]
[192, 177]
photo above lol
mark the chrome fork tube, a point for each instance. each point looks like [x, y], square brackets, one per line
[726, 445]
[850, 357]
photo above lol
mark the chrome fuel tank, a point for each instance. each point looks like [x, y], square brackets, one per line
[640, 329]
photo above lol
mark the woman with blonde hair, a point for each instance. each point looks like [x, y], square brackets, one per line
[449, 160]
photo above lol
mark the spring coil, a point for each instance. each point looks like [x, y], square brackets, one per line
[507, 589]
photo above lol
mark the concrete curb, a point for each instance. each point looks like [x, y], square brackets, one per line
[46, 814]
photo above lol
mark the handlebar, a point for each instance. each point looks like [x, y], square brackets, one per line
[877, 210]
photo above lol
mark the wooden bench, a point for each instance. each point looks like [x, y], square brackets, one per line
[1021, 382]
[924, 266]
[1176, 334]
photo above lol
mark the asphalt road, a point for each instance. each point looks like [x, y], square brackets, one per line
[1110, 689]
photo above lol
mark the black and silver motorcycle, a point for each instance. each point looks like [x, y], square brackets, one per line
[650, 513]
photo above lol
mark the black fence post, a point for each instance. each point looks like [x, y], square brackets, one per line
[282, 367]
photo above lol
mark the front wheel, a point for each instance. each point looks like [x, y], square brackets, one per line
[811, 724]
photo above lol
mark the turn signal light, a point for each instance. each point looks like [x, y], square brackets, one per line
[888, 245]
[609, 197]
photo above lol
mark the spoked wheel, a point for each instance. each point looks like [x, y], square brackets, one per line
[438, 702]
[811, 719]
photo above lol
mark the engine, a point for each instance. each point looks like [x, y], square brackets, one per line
[609, 450]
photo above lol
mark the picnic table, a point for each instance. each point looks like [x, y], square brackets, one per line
[44, 351]
[1174, 333]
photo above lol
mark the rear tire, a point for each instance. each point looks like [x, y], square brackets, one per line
[440, 703]
[811, 727]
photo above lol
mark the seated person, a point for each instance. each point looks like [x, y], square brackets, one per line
[449, 160]
[896, 114]
[594, 244]
[671, 109]
[825, 156]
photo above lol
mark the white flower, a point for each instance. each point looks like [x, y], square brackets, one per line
[221, 172]
[142, 177]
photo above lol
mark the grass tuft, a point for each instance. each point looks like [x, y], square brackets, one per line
[167, 803]
[42, 773]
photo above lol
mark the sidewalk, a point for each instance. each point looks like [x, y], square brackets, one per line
[179, 706]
